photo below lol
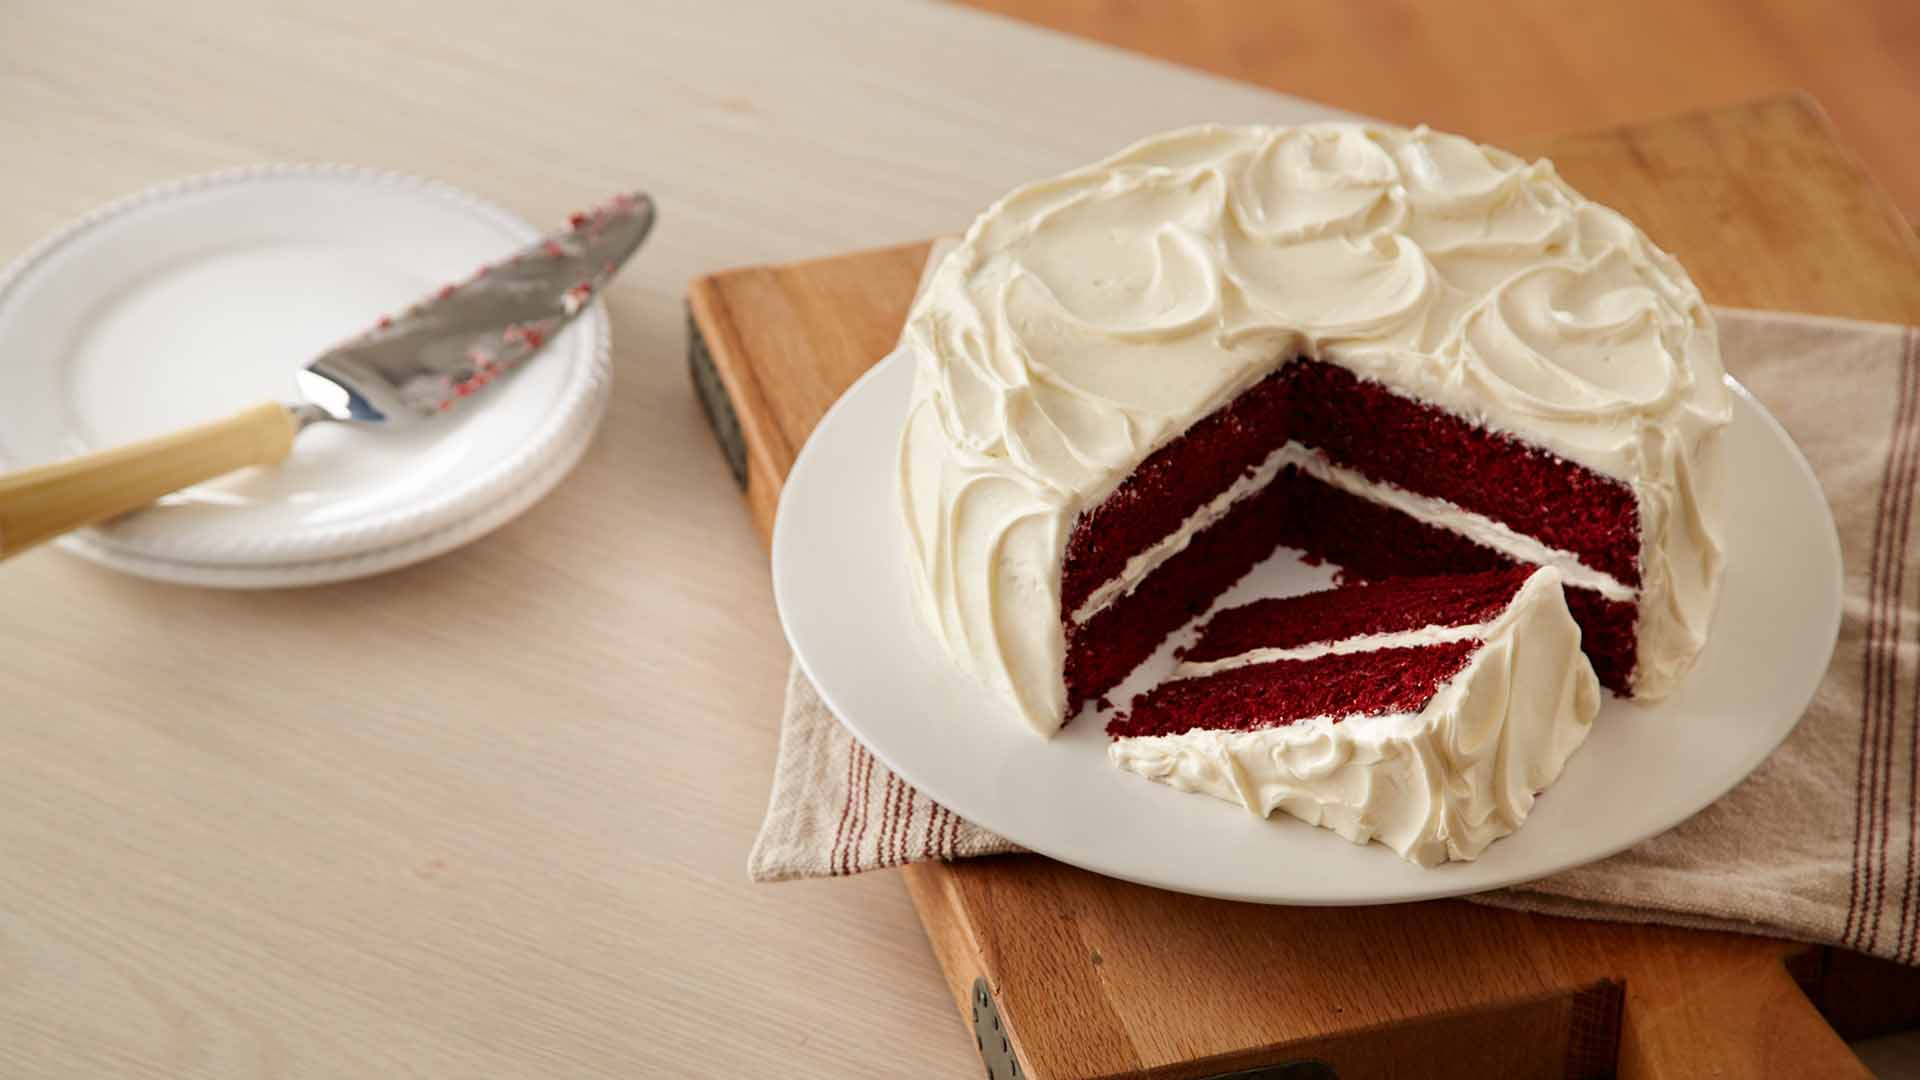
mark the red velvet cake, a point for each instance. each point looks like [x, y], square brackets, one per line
[1422, 712]
[1337, 424]
[1398, 352]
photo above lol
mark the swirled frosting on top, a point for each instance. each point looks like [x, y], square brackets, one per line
[1086, 320]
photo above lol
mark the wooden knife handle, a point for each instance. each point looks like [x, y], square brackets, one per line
[42, 502]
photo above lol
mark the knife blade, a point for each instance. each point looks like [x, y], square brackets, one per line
[461, 339]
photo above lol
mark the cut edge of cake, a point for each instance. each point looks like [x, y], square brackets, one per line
[1109, 629]
[1436, 783]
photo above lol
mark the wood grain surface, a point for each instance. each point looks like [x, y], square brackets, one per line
[489, 816]
[1099, 978]
[1505, 69]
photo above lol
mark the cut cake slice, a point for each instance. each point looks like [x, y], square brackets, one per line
[1425, 713]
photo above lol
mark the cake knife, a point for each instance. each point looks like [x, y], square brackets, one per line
[407, 369]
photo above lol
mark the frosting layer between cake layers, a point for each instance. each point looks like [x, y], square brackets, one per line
[1474, 527]
[1087, 320]
[1436, 784]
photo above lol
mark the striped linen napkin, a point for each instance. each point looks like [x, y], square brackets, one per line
[1819, 844]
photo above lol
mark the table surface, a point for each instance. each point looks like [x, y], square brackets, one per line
[490, 816]
[513, 842]
[1509, 69]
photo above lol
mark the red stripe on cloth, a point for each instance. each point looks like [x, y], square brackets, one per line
[1875, 683]
[858, 797]
[906, 820]
[883, 843]
[1908, 938]
[886, 822]
[953, 834]
[902, 815]
[847, 855]
[865, 803]
[867, 786]
[926, 834]
[914, 802]
[1875, 664]
[1889, 725]
[1886, 687]
[835, 863]
[1864, 774]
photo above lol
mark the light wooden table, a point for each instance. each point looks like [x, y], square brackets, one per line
[489, 816]
[1503, 69]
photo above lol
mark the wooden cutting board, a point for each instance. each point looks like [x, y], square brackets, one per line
[1091, 977]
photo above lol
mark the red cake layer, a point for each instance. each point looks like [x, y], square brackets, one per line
[1608, 635]
[1391, 439]
[1384, 607]
[1364, 426]
[1370, 542]
[1171, 484]
[1268, 695]
[1103, 650]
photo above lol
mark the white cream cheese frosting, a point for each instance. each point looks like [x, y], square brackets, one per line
[1086, 320]
[1435, 785]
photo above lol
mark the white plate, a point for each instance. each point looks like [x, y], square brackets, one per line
[194, 299]
[842, 585]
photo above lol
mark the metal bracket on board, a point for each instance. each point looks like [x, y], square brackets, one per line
[991, 1036]
[996, 1049]
[713, 398]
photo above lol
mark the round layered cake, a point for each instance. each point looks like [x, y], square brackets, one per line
[1397, 351]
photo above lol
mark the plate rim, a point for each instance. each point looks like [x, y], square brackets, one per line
[1441, 887]
[581, 400]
